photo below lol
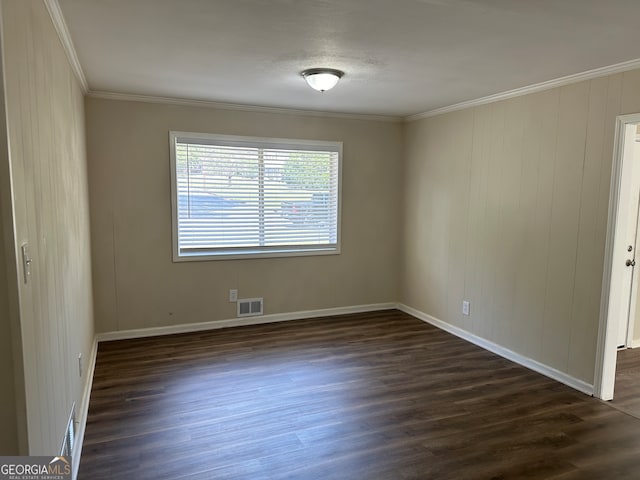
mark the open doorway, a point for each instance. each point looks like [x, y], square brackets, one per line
[620, 311]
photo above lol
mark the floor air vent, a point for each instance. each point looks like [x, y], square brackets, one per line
[249, 307]
[70, 434]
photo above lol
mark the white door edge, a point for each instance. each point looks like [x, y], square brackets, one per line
[605, 371]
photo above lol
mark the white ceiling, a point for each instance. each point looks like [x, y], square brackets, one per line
[400, 57]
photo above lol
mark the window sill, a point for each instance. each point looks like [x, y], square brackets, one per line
[206, 256]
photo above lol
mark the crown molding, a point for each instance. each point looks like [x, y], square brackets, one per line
[538, 87]
[239, 107]
[65, 37]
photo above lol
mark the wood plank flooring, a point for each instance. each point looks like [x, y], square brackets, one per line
[626, 395]
[367, 396]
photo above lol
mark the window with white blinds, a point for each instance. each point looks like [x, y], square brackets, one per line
[240, 196]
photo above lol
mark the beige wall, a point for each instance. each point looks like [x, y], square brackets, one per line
[506, 206]
[45, 111]
[135, 282]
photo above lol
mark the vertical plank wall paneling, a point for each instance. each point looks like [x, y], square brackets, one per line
[523, 185]
[45, 111]
[564, 222]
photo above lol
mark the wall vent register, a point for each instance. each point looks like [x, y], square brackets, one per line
[250, 307]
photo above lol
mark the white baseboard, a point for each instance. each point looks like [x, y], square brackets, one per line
[238, 322]
[82, 412]
[502, 351]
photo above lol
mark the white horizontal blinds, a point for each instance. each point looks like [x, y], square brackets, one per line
[255, 197]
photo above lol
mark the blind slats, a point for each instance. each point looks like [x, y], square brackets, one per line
[232, 197]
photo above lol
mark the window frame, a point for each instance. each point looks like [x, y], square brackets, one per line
[239, 253]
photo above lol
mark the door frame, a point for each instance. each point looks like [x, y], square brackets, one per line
[606, 353]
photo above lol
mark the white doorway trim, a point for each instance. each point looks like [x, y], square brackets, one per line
[606, 354]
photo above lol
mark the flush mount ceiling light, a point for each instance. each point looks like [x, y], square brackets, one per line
[322, 79]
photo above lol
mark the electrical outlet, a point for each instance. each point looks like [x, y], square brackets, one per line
[233, 295]
[465, 308]
[80, 365]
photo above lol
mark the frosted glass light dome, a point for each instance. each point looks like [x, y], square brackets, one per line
[322, 79]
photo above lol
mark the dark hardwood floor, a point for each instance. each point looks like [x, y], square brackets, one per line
[367, 396]
[626, 395]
